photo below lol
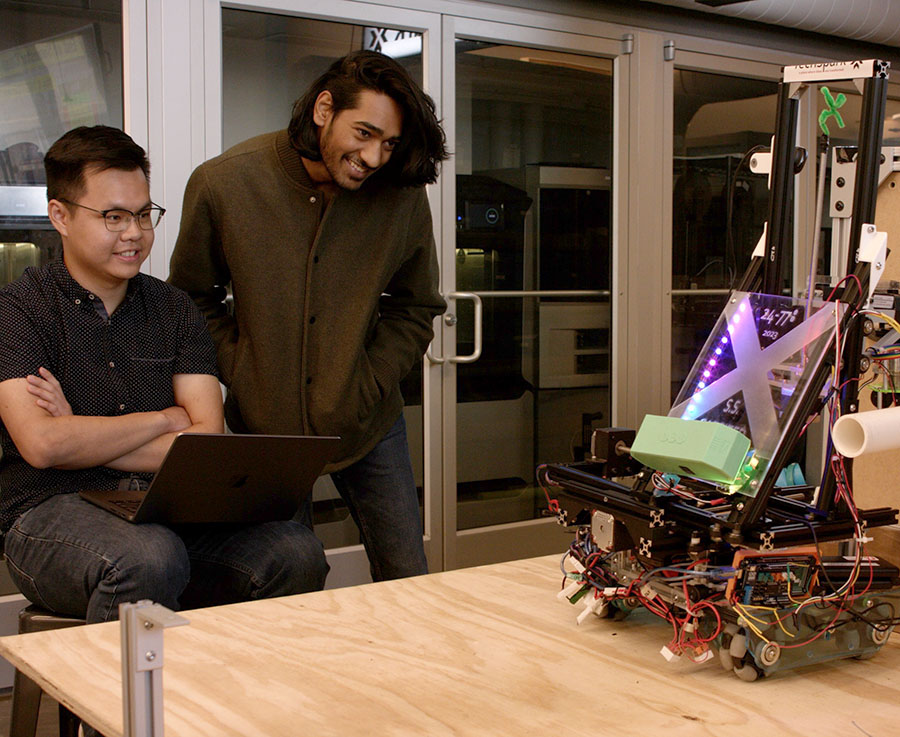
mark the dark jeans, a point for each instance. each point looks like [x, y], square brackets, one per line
[71, 557]
[381, 493]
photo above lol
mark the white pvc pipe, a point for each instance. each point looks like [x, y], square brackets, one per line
[867, 432]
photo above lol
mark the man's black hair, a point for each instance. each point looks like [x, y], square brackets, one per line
[421, 149]
[98, 148]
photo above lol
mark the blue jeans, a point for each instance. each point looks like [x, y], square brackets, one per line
[72, 557]
[380, 492]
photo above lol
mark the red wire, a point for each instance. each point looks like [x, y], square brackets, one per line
[849, 276]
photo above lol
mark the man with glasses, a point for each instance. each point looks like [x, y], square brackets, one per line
[100, 367]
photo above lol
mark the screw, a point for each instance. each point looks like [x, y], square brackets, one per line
[840, 181]
[740, 506]
[878, 264]
[150, 656]
[838, 205]
[870, 229]
[148, 625]
[853, 408]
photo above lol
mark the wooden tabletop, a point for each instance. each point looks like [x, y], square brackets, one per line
[481, 651]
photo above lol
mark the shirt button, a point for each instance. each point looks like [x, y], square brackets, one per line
[78, 301]
[90, 296]
[121, 406]
[112, 364]
[312, 199]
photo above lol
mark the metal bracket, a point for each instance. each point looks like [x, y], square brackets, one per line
[142, 660]
[628, 43]
[873, 250]
[656, 518]
[760, 249]
[767, 541]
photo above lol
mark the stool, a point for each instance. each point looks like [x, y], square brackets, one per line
[26, 695]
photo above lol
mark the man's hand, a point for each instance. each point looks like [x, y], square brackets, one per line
[48, 393]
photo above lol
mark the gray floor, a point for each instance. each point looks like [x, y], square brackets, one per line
[48, 725]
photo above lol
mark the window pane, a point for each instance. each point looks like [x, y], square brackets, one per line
[60, 67]
[533, 195]
[719, 207]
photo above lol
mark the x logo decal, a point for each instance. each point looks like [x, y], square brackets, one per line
[833, 104]
[755, 378]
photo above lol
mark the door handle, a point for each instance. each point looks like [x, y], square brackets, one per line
[450, 319]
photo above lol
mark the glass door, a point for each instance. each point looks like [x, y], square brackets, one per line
[529, 257]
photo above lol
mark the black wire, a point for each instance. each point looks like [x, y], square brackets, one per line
[860, 616]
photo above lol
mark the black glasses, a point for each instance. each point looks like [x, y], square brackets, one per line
[118, 219]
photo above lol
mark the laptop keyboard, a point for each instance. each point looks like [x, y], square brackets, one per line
[126, 505]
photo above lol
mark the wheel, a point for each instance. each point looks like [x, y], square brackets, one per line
[747, 672]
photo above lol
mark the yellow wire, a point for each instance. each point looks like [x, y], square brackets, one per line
[750, 624]
[889, 320]
[775, 617]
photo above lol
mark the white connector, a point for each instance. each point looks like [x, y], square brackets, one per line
[569, 591]
[667, 654]
[593, 606]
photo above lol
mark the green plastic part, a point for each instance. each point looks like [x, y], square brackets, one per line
[704, 450]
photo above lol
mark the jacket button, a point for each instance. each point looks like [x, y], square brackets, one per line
[309, 379]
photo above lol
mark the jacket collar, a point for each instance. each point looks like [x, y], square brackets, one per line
[291, 161]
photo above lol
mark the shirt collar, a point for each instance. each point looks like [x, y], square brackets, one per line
[77, 293]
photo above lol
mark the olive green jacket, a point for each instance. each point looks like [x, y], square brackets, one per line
[333, 303]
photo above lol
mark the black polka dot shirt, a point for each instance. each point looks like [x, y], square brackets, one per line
[106, 366]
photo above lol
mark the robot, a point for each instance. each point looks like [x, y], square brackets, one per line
[686, 517]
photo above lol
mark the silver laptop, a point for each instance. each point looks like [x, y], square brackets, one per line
[209, 478]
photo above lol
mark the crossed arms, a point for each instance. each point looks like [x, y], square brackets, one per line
[48, 435]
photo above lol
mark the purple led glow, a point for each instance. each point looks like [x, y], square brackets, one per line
[718, 351]
[724, 339]
[701, 385]
[706, 374]
[712, 361]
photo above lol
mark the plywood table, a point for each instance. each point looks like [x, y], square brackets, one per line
[482, 651]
